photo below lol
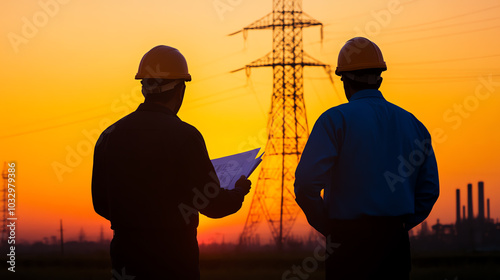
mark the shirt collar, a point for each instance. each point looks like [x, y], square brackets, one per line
[366, 93]
[153, 107]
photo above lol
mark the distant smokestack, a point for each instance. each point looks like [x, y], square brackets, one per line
[488, 208]
[463, 212]
[458, 206]
[470, 213]
[62, 238]
[480, 201]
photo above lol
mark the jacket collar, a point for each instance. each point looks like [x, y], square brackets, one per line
[153, 107]
[366, 93]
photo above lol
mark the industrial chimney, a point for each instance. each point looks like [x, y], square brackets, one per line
[470, 213]
[480, 201]
[488, 209]
[458, 206]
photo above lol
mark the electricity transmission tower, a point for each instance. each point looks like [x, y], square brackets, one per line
[274, 199]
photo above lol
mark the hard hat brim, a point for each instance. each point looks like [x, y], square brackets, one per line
[186, 78]
[339, 70]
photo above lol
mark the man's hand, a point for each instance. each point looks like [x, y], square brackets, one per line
[243, 185]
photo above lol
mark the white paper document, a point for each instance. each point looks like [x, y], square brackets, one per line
[229, 169]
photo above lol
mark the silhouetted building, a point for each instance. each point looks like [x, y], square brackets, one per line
[467, 233]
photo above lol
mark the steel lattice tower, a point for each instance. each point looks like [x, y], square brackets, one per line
[274, 199]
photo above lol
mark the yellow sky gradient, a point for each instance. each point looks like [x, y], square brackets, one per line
[68, 72]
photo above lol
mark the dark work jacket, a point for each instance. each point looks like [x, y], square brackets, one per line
[152, 174]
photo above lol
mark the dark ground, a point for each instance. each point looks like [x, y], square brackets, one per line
[255, 265]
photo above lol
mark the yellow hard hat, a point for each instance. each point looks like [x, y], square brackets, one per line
[360, 53]
[163, 62]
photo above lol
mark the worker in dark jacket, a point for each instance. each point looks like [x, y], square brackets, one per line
[378, 170]
[152, 175]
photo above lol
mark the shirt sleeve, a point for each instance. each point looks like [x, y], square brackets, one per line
[314, 171]
[426, 189]
[210, 199]
[99, 186]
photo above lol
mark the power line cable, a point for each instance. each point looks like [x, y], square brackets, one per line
[218, 100]
[443, 35]
[214, 94]
[444, 60]
[59, 117]
[447, 19]
[392, 32]
[340, 33]
[52, 127]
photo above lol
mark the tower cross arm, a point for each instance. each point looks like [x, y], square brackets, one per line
[264, 61]
[311, 61]
[307, 20]
[265, 22]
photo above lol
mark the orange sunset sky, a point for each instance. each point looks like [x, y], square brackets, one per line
[67, 72]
